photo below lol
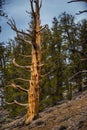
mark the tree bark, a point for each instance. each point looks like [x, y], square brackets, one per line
[33, 95]
[35, 68]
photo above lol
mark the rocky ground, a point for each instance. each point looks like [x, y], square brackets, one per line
[70, 115]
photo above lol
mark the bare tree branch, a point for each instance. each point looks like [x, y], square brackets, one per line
[44, 75]
[32, 8]
[26, 80]
[41, 65]
[43, 27]
[13, 26]
[40, 3]
[18, 87]
[19, 66]
[16, 102]
[8, 103]
[77, 1]
[84, 71]
[20, 104]
[22, 38]
[26, 56]
[80, 12]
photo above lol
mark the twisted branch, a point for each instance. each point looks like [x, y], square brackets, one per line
[19, 87]
[19, 66]
[12, 24]
[16, 102]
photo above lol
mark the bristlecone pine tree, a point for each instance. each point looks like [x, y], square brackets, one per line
[34, 39]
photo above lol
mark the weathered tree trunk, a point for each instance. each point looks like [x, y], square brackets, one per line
[35, 68]
[33, 95]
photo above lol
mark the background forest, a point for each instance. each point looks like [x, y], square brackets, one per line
[64, 59]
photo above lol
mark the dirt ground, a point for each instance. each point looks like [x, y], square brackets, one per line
[70, 115]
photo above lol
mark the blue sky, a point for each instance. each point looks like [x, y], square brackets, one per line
[50, 8]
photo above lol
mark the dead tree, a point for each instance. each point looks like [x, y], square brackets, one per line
[34, 40]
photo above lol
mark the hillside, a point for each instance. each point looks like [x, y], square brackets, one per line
[69, 115]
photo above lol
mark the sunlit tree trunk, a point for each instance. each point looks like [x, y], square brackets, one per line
[33, 95]
[33, 38]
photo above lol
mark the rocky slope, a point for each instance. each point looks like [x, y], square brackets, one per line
[70, 115]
